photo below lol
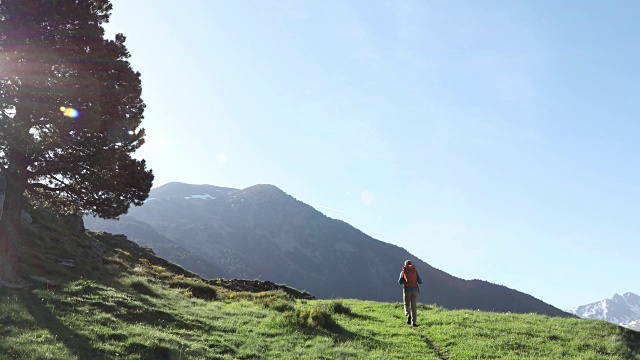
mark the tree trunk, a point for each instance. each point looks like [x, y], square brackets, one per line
[10, 229]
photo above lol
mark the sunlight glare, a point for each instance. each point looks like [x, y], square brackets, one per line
[69, 112]
[366, 197]
[222, 158]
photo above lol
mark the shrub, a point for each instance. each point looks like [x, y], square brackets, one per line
[193, 288]
[140, 285]
[338, 307]
[282, 306]
[296, 319]
[277, 301]
[160, 272]
[321, 318]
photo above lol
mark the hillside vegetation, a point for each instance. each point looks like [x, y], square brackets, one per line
[99, 296]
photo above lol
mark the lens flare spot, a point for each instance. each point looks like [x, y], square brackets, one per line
[366, 197]
[222, 158]
[69, 112]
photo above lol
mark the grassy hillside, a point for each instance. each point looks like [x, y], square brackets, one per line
[119, 301]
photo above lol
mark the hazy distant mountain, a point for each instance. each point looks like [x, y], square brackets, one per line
[145, 235]
[622, 310]
[262, 233]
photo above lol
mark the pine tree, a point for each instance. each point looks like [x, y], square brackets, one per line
[70, 114]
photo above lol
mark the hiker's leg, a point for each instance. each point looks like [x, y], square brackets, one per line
[414, 306]
[407, 303]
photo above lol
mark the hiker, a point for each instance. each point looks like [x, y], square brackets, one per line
[410, 279]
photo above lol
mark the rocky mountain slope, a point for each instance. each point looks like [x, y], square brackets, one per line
[262, 233]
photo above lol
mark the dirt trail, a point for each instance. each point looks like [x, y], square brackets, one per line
[435, 347]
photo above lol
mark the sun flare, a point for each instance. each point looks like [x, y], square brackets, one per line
[69, 112]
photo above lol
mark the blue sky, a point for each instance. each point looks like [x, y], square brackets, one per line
[494, 140]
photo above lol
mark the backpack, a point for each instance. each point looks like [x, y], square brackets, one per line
[410, 276]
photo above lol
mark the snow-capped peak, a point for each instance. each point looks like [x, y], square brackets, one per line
[622, 310]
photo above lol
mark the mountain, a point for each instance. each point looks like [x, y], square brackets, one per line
[622, 310]
[145, 235]
[263, 233]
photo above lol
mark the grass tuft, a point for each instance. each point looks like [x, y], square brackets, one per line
[321, 318]
[193, 287]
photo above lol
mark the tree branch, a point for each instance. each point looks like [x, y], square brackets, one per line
[45, 187]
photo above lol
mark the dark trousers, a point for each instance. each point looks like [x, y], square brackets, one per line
[411, 304]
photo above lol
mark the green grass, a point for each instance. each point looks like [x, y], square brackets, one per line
[481, 335]
[128, 304]
[88, 320]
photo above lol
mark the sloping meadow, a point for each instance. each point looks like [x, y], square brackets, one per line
[99, 296]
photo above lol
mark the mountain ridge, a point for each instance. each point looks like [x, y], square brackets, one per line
[623, 310]
[262, 232]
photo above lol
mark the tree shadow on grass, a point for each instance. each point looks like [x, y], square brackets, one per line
[362, 317]
[77, 344]
[340, 335]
